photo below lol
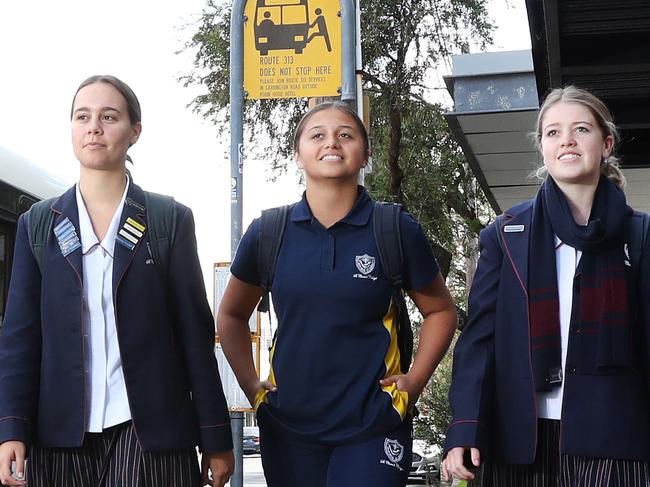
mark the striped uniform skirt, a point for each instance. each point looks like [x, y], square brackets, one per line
[551, 469]
[112, 458]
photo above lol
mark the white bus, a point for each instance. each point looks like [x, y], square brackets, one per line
[21, 185]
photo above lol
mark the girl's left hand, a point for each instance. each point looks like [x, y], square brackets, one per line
[216, 468]
[404, 383]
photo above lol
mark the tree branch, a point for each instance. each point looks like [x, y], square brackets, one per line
[373, 79]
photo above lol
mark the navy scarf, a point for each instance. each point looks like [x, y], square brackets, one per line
[600, 303]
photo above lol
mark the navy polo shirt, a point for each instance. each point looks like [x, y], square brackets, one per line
[336, 334]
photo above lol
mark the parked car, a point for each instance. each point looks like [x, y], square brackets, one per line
[251, 440]
[424, 464]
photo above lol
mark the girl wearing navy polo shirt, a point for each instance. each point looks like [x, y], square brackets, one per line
[335, 409]
[107, 369]
[550, 383]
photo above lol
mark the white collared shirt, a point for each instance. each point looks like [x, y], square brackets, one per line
[108, 400]
[567, 258]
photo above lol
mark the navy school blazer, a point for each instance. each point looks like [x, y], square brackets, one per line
[605, 413]
[165, 332]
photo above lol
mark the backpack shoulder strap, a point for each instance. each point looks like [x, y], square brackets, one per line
[272, 224]
[161, 220]
[388, 238]
[39, 221]
[638, 231]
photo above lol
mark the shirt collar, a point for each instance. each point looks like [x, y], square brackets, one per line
[88, 237]
[559, 244]
[359, 215]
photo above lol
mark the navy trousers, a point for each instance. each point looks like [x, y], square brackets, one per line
[381, 462]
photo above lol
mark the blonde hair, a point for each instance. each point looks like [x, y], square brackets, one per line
[610, 166]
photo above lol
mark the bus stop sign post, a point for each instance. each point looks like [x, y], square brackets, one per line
[236, 183]
[320, 32]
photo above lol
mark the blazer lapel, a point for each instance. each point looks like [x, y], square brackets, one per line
[515, 235]
[131, 233]
[66, 209]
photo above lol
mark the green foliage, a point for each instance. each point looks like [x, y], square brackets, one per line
[268, 120]
[416, 160]
[435, 414]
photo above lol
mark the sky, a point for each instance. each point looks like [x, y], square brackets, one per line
[47, 48]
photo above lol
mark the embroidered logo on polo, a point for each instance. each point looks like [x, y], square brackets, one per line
[67, 237]
[130, 233]
[365, 264]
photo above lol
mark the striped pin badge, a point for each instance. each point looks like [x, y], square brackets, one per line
[130, 233]
[67, 237]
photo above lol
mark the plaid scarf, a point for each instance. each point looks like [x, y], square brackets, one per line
[600, 304]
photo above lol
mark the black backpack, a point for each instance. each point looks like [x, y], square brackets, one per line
[161, 222]
[389, 244]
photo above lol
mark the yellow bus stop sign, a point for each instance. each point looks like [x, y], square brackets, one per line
[292, 48]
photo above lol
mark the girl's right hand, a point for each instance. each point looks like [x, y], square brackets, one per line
[12, 451]
[256, 387]
[453, 466]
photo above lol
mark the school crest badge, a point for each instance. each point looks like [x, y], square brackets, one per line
[365, 263]
[394, 450]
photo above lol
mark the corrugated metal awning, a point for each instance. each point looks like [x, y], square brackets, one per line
[495, 109]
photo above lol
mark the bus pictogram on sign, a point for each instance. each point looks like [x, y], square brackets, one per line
[286, 25]
[292, 48]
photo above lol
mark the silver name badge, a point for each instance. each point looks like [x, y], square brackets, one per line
[513, 228]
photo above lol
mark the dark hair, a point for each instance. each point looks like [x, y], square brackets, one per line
[336, 105]
[132, 103]
[572, 94]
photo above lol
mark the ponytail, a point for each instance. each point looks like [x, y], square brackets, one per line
[610, 167]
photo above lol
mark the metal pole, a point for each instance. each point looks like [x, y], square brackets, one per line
[359, 57]
[349, 59]
[236, 121]
[349, 55]
[237, 425]
[236, 193]
[359, 82]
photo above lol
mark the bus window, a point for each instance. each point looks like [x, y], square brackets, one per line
[7, 238]
[3, 267]
[274, 14]
[282, 2]
[294, 15]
